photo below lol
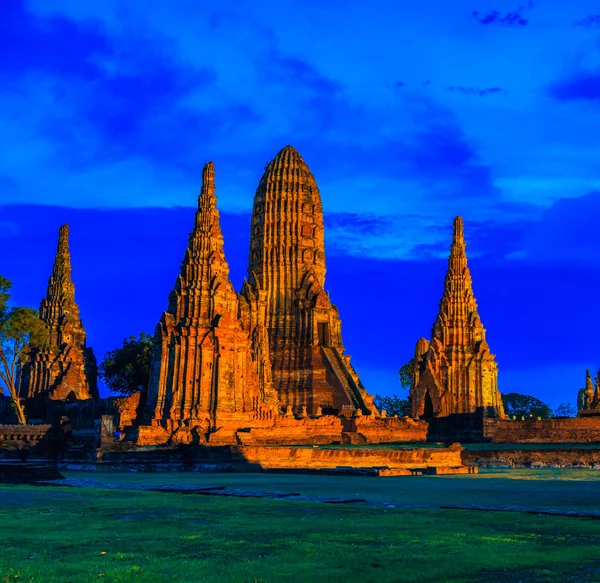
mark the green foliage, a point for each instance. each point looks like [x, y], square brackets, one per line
[21, 331]
[406, 373]
[393, 404]
[526, 406]
[565, 410]
[127, 369]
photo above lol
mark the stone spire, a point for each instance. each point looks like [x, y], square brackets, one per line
[456, 372]
[204, 268]
[202, 370]
[588, 398]
[589, 390]
[68, 369]
[287, 271]
[59, 303]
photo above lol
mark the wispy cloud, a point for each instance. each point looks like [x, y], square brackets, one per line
[508, 19]
[590, 21]
[477, 91]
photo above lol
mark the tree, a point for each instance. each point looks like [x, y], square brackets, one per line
[565, 410]
[21, 331]
[127, 369]
[406, 373]
[518, 405]
[393, 404]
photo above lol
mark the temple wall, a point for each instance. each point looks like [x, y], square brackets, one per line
[25, 441]
[290, 431]
[533, 457]
[390, 429]
[572, 430]
[317, 458]
[23, 433]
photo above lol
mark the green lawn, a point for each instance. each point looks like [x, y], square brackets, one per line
[556, 488]
[61, 534]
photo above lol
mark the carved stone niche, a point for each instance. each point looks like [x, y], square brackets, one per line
[307, 231]
[308, 256]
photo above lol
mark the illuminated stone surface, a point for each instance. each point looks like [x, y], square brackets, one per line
[207, 376]
[456, 373]
[67, 369]
[285, 290]
[589, 397]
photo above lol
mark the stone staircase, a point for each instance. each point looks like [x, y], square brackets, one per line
[347, 383]
[353, 437]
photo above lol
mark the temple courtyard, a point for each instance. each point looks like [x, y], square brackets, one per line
[529, 525]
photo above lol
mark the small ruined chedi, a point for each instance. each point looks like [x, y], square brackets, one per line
[207, 377]
[66, 369]
[285, 287]
[455, 373]
[589, 397]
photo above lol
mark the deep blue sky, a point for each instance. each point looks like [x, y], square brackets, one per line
[407, 113]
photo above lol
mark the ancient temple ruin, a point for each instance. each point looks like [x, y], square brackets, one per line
[455, 372]
[66, 369]
[589, 397]
[285, 290]
[207, 375]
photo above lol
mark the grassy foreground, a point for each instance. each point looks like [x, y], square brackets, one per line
[78, 535]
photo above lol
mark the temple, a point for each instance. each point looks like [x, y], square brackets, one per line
[285, 291]
[66, 369]
[589, 397]
[455, 373]
[207, 374]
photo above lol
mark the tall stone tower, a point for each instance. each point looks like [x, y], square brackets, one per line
[204, 369]
[588, 398]
[456, 372]
[67, 368]
[285, 290]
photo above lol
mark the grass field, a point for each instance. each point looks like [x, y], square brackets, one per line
[77, 535]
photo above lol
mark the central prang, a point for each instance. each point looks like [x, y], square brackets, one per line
[286, 278]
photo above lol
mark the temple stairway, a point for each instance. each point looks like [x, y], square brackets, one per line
[350, 388]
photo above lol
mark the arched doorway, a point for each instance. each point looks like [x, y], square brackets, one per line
[428, 405]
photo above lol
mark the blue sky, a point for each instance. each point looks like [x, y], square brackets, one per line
[408, 115]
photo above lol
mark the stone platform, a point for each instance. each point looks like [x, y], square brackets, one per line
[341, 460]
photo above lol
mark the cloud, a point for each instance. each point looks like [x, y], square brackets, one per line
[114, 96]
[509, 19]
[581, 86]
[566, 234]
[590, 21]
[476, 91]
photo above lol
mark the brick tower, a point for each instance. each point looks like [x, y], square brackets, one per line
[67, 369]
[456, 373]
[285, 290]
[204, 365]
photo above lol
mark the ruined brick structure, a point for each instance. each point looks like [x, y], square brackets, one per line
[285, 290]
[456, 373]
[67, 368]
[588, 400]
[206, 373]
